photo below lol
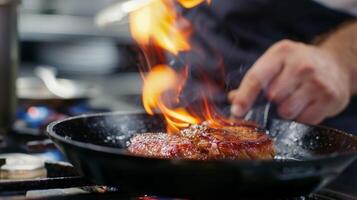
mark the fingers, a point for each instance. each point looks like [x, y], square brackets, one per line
[286, 82]
[258, 78]
[307, 84]
[313, 114]
[292, 106]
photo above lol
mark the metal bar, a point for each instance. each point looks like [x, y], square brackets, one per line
[8, 63]
[45, 183]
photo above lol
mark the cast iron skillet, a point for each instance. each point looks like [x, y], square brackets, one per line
[310, 157]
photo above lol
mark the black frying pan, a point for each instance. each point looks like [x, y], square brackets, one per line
[96, 146]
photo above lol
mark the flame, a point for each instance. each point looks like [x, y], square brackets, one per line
[163, 79]
[159, 24]
[192, 3]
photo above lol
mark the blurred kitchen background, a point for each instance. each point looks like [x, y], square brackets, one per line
[69, 66]
[60, 38]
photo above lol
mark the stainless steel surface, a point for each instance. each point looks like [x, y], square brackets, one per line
[55, 27]
[22, 166]
[58, 20]
[65, 7]
[8, 62]
[32, 88]
[82, 56]
[119, 11]
[8, 2]
[60, 89]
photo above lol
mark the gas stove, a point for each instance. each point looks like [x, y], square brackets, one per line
[71, 186]
[63, 182]
[33, 176]
[32, 118]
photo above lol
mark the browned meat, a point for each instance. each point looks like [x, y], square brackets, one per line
[201, 142]
[163, 145]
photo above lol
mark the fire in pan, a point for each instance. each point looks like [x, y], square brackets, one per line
[307, 158]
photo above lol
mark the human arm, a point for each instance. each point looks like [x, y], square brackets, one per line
[308, 82]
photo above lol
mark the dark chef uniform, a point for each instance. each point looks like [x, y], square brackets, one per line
[239, 31]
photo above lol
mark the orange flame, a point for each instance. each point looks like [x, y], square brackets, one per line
[158, 23]
[163, 79]
[192, 3]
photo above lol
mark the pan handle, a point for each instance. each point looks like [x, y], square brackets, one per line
[262, 112]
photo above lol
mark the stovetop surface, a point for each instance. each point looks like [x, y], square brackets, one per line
[84, 194]
[63, 182]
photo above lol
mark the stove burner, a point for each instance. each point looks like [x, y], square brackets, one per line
[32, 118]
[21, 166]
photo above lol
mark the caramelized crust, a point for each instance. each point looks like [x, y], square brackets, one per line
[163, 145]
[201, 142]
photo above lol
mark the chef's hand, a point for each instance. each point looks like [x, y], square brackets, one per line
[306, 82]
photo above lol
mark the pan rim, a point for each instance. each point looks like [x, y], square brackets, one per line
[111, 150]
